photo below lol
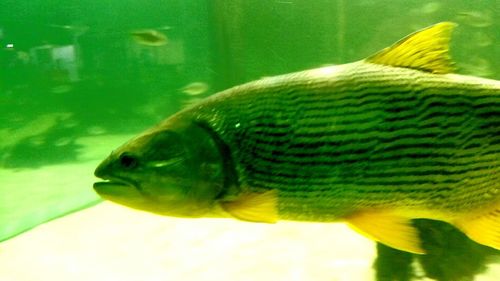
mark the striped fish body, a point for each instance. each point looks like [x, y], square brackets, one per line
[337, 140]
[375, 143]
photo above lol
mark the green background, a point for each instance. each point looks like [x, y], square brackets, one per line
[74, 85]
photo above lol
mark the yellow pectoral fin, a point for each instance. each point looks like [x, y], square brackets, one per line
[255, 207]
[389, 229]
[483, 228]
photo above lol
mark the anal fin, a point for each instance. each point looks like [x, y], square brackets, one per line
[389, 229]
[483, 228]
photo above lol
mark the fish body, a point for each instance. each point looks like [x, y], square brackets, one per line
[336, 140]
[195, 88]
[374, 143]
[149, 37]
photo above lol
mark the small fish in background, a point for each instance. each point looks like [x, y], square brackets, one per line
[195, 88]
[69, 27]
[375, 143]
[96, 130]
[149, 37]
[476, 65]
[77, 30]
[479, 19]
[61, 89]
[430, 8]
[22, 56]
[64, 141]
[482, 39]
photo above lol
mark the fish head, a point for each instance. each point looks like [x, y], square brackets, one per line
[169, 171]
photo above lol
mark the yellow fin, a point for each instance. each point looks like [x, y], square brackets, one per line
[426, 50]
[389, 229]
[483, 228]
[256, 207]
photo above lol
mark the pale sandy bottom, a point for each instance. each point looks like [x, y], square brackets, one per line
[110, 242]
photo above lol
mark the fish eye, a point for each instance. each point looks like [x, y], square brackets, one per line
[128, 161]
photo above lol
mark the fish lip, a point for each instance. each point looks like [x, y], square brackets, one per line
[108, 180]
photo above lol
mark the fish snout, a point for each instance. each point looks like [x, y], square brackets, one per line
[102, 170]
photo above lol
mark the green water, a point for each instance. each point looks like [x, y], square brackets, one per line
[74, 83]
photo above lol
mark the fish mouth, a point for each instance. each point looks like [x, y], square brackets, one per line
[113, 184]
[121, 191]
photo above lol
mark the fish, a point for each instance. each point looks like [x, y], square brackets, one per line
[195, 88]
[374, 143]
[428, 8]
[479, 19]
[476, 65]
[149, 37]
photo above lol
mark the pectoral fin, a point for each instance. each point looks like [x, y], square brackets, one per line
[483, 228]
[255, 207]
[389, 229]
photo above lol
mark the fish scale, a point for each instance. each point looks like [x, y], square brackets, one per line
[418, 126]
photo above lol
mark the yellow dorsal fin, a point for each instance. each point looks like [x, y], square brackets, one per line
[389, 229]
[425, 50]
[483, 228]
[256, 207]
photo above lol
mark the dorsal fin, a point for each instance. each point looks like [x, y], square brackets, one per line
[425, 50]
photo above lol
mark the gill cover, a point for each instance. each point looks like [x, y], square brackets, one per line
[170, 171]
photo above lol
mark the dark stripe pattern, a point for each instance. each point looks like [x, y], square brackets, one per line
[363, 136]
